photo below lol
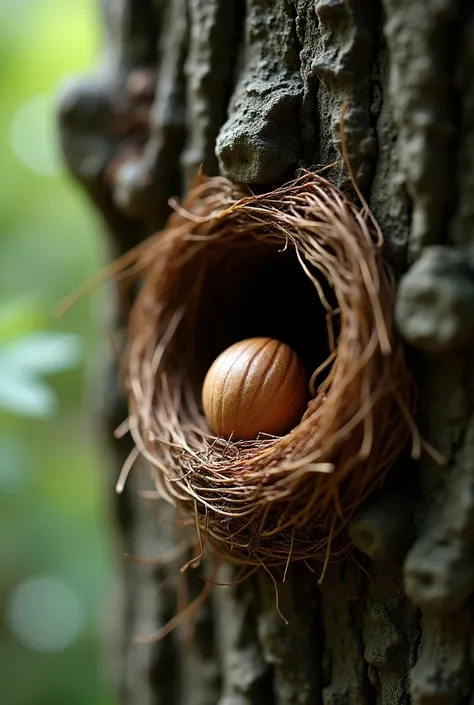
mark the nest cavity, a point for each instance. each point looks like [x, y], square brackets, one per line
[302, 264]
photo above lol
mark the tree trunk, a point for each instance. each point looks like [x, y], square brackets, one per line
[255, 90]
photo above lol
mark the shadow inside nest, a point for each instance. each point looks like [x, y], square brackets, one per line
[261, 291]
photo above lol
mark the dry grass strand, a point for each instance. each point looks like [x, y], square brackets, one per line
[274, 500]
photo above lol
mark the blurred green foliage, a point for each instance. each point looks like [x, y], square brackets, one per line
[55, 540]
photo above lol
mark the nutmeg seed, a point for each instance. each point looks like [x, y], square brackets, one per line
[256, 386]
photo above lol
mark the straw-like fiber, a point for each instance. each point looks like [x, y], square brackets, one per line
[272, 500]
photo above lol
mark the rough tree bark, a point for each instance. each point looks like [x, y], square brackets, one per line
[254, 89]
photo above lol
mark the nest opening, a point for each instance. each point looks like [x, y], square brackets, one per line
[257, 290]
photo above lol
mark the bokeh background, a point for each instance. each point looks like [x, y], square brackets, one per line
[56, 547]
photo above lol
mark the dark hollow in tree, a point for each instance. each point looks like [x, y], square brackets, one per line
[255, 90]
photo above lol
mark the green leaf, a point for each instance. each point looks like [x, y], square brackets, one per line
[23, 361]
[19, 317]
[25, 395]
[42, 353]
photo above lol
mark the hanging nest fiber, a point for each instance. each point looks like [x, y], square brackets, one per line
[302, 264]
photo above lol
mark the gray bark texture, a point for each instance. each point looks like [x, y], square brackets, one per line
[254, 89]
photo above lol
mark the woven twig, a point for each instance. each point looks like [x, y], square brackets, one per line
[272, 500]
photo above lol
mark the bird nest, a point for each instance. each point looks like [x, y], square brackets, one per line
[302, 264]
